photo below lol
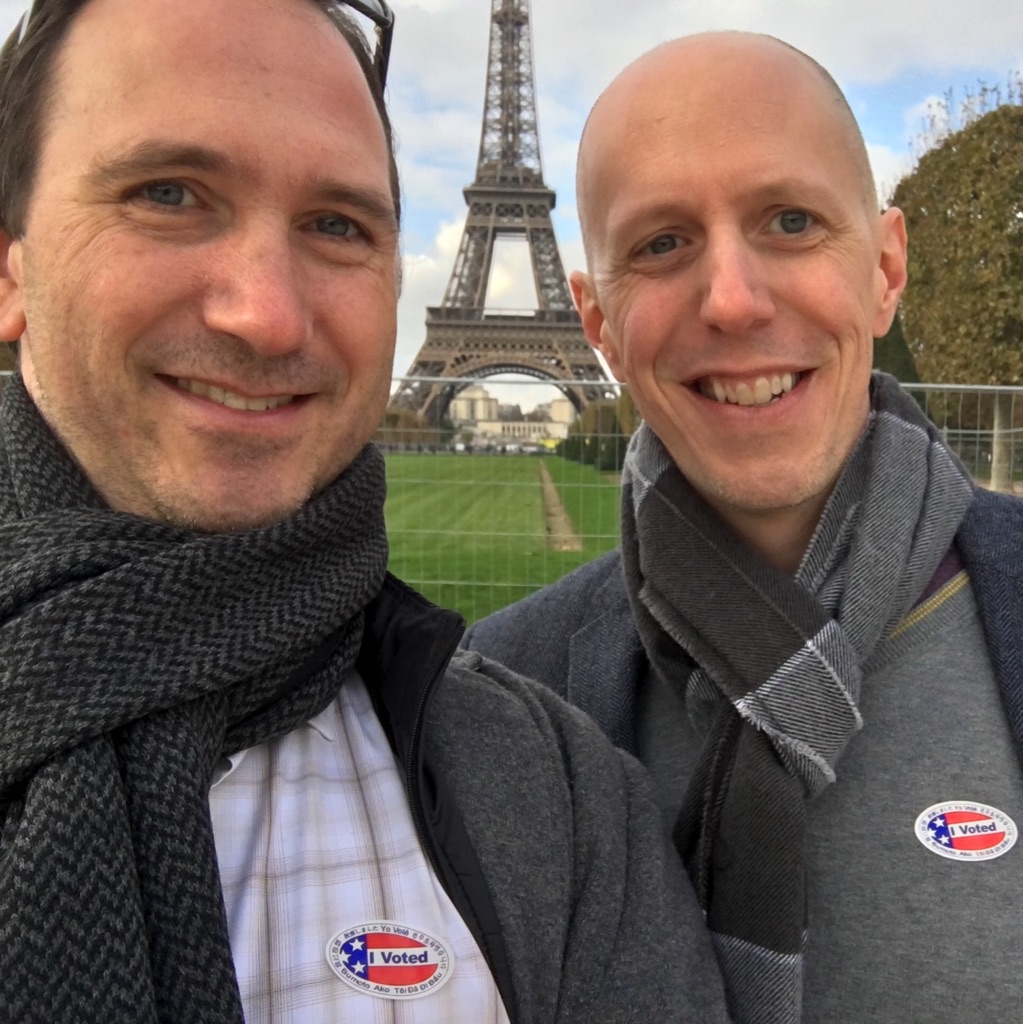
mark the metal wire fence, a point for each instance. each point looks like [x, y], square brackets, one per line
[984, 425]
[478, 519]
[503, 496]
[511, 490]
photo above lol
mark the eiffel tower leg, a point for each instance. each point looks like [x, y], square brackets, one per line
[464, 338]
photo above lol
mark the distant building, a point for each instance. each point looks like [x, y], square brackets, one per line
[562, 411]
[500, 431]
[484, 420]
[472, 405]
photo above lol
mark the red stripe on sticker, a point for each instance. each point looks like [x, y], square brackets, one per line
[388, 940]
[401, 975]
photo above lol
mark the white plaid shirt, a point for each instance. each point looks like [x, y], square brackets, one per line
[314, 834]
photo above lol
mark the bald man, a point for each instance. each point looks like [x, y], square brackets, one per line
[809, 634]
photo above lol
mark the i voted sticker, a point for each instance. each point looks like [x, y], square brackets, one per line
[390, 960]
[963, 830]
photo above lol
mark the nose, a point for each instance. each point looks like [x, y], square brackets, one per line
[256, 290]
[736, 296]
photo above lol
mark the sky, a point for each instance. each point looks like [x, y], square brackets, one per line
[891, 57]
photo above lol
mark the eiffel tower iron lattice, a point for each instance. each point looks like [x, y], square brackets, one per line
[509, 197]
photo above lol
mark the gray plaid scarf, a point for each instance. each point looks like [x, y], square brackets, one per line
[771, 667]
[133, 655]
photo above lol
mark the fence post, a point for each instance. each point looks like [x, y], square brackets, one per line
[1001, 444]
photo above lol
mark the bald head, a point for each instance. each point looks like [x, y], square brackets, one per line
[739, 270]
[704, 79]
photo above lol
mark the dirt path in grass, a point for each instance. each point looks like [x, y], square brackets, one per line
[561, 535]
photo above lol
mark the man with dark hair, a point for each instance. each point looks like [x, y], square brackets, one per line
[236, 779]
[805, 567]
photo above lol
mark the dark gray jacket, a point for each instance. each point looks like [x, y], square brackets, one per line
[545, 837]
[577, 635]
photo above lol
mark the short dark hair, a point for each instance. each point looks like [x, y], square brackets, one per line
[26, 92]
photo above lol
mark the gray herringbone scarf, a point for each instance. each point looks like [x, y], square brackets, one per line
[771, 667]
[133, 655]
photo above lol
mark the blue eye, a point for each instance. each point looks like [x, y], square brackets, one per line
[792, 222]
[662, 244]
[337, 225]
[166, 193]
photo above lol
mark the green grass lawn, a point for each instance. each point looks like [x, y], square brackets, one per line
[592, 499]
[468, 530]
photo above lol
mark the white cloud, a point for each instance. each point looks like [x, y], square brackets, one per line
[579, 45]
[923, 113]
[889, 167]
[10, 12]
[439, 65]
[865, 40]
[511, 276]
[425, 276]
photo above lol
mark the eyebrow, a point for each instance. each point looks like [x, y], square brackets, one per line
[795, 189]
[157, 157]
[375, 204]
[791, 191]
[153, 156]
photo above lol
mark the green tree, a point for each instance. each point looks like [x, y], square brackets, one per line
[891, 354]
[604, 446]
[403, 426]
[572, 447]
[628, 414]
[962, 312]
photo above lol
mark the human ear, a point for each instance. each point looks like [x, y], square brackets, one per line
[891, 269]
[12, 308]
[597, 330]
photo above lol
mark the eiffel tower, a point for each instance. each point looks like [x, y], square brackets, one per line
[508, 197]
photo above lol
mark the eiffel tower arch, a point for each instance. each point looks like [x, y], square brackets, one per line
[509, 198]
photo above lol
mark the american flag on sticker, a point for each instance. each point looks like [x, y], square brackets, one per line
[961, 830]
[390, 960]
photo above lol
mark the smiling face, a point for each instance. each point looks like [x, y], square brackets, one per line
[738, 271]
[207, 282]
